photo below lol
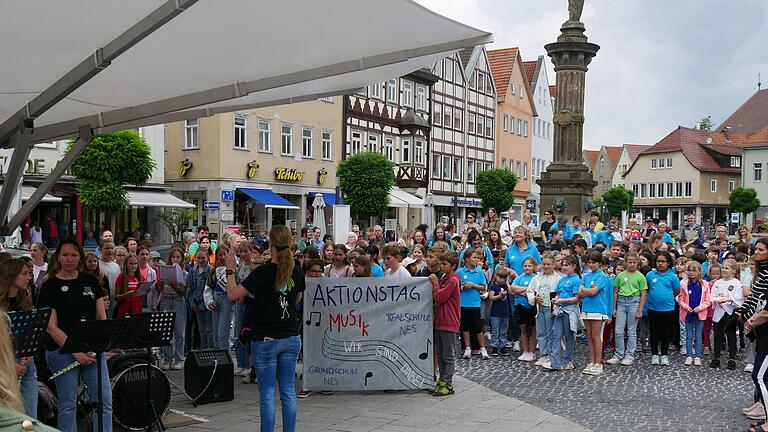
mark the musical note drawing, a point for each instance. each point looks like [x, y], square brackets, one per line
[368, 374]
[425, 354]
[312, 314]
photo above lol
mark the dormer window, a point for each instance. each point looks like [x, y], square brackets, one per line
[735, 162]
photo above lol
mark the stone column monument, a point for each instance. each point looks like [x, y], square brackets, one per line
[567, 185]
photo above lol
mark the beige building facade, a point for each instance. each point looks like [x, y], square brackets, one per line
[256, 168]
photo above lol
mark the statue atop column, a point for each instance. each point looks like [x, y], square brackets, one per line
[574, 9]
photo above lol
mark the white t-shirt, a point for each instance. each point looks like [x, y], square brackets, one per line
[36, 234]
[111, 270]
[38, 272]
[723, 288]
[401, 272]
[508, 225]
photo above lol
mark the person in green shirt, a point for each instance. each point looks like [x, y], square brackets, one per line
[629, 290]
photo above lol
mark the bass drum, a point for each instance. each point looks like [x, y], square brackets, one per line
[129, 396]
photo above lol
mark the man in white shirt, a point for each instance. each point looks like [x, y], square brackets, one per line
[107, 264]
[392, 257]
[508, 227]
[36, 233]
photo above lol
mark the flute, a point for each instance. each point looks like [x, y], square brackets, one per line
[69, 367]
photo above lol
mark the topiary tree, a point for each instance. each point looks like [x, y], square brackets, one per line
[109, 162]
[618, 199]
[495, 187]
[365, 180]
[744, 200]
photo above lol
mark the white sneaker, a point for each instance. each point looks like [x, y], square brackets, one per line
[688, 361]
[683, 351]
[164, 365]
[750, 408]
[239, 371]
[626, 361]
[749, 367]
[487, 335]
[526, 357]
[588, 369]
[569, 366]
[516, 346]
[613, 360]
[597, 369]
[177, 366]
[484, 353]
[542, 360]
[467, 353]
[697, 361]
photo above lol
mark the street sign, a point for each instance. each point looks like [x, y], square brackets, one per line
[211, 205]
[390, 224]
[734, 218]
[227, 195]
[530, 204]
[227, 215]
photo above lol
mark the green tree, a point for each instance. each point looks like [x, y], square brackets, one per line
[495, 188]
[705, 124]
[365, 180]
[598, 202]
[744, 200]
[176, 220]
[109, 162]
[618, 199]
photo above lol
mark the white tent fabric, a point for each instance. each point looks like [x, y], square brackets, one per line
[148, 198]
[27, 191]
[318, 215]
[429, 212]
[401, 198]
[214, 54]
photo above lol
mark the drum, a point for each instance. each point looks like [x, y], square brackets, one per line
[129, 396]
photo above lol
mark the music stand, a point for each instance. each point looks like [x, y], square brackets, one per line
[159, 333]
[28, 331]
[100, 336]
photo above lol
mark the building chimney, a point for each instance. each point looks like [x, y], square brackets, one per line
[727, 133]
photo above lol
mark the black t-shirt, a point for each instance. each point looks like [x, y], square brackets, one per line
[272, 313]
[73, 300]
[545, 226]
[13, 304]
[425, 272]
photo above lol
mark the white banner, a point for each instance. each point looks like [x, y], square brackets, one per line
[368, 334]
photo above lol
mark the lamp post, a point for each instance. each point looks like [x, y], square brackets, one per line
[339, 198]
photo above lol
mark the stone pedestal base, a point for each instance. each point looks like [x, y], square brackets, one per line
[567, 189]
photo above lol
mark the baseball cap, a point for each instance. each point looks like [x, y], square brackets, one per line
[154, 254]
[407, 261]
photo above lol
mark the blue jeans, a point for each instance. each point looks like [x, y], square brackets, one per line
[693, 329]
[626, 308]
[66, 386]
[175, 351]
[499, 326]
[221, 319]
[205, 327]
[544, 324]
[561, 329]
[241, 351]
[275, 360]
[28, 386]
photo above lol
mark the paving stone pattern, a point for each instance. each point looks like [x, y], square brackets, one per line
[623, 398]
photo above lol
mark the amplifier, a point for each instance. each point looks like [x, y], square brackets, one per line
[199, 372]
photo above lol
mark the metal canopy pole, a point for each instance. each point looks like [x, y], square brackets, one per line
[89, 67]
[15, 172]
[85, 138]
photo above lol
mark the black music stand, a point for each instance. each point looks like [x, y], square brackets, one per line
[28, 331]
[100, 336]
[159, 333]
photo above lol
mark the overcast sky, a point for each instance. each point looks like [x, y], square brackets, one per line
[661, 63]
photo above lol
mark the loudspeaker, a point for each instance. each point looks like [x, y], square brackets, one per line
[199, 371]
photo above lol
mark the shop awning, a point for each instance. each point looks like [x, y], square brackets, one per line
[401, 198]
[269, 198]
[329, 198]
[27, 191]
[155, 198]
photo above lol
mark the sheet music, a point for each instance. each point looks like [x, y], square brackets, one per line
[144, 288]
[171, 272]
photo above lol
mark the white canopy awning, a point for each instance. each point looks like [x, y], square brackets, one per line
[27, 191]
[155, 198]
[214, 56]
[401, 198]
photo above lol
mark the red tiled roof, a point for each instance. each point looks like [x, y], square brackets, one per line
[590, 157]
[530, 68]
[692, 143]
[634, 149]
[502, 62]
[613, 154]
[758, 139]
[749, 117]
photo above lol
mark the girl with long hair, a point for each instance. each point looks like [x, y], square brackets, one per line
[694, 302]
[125, 288]
[15, 276]
[439, 234]
[172, 299]
[39, 254]
[216, 300]
[72, 296]
[340, 266]
[361, 266]
[566, 310]
[273, 325]
[328, 251]
[92, 268]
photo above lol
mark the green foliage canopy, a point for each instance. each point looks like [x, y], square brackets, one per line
[617, 199]
[176, 220]
[744, 200]
[110, 161]
[495, 188]
[365, 180]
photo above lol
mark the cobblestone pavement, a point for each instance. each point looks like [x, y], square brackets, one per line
[637, 397]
